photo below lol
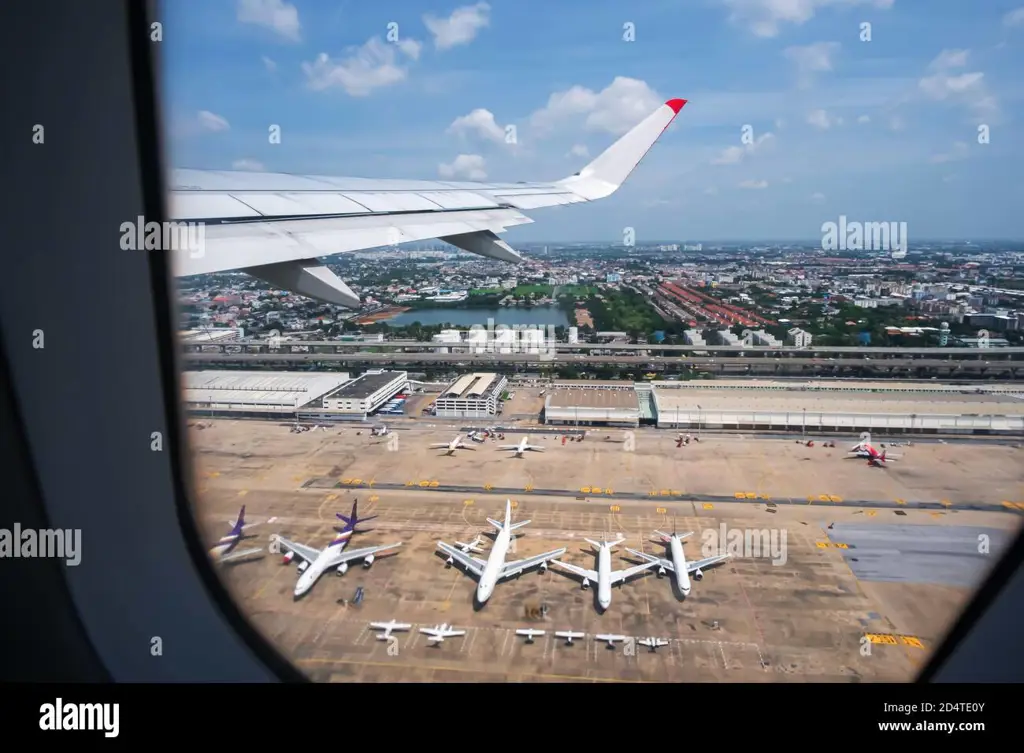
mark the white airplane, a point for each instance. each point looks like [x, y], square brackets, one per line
[224, 549]
[473, 546]
[275, 226]
[439, 632]
[455, 444]
[315, 562]
[530, 633]
[678, 564]
[569, 635]
[523, 446]
[388, 628]
[653, 643]
[495, 568]
[604, 578]
[865, 441]
[611, 638]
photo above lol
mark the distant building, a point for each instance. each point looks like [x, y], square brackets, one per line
[574, 335]
[365, 394]
[798, 338]
[472, 396]
[613, 277]
[762, 338]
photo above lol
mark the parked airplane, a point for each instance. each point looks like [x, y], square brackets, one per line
[274, 226]
[439, 632]
[473, 546]
[653, 643]
[455, 444]
[523, 446]
[611, 638]
[879, 459]
[678, 564]
[224, 549]
[495, 568]
[377, 431]
[604, 578]
[388, 628]
[865, 441]
[530, 633]
[569, 635]
[315, 562]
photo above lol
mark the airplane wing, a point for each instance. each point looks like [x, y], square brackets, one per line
[582, 572]
[238, 555]
[534, 448]
[439, 446]
[275, 226]
[660, 561]
[473, 564]
[620, 575]
[526, 564]
[707, 562]
[347, 555]
[307, 553]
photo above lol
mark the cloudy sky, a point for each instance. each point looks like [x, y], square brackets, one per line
[799, 110]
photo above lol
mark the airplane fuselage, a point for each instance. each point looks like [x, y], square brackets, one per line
[225, 545]
[495, 563]
[327, 559]
[604, 577]
[675, 548]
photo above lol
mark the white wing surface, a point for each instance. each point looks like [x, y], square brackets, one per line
[276, 226]
[307, 553]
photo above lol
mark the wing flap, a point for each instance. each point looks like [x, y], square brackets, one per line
[706, 562]
[307, 553]
[620, 575]
[582, 572]
[472, 564]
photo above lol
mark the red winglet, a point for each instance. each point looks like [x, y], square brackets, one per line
[676, 105]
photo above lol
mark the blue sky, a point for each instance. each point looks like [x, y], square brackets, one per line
[879, 130]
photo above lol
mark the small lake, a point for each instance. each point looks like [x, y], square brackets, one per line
[543, 315]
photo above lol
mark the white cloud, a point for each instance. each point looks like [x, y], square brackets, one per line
[269, 64]
[864, 119]
[247, 164]
[579, 150]
[374, 65]
[896, 123]
[754, 184]
[967, 89]
[480, 122]
[764, 17]
[821, 119]
[734, 154]
[280, 17]
[817, 197]
[211, 122]
[1014, 17]
[811, 59]
[615, 109]
[959, 151]
[470, 166]
[460, 27]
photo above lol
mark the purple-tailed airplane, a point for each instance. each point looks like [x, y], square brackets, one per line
[224, 549]
[315, 562]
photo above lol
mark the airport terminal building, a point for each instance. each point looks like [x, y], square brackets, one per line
[475, 395]
[256, 394]
[364, 395]
[571, 406]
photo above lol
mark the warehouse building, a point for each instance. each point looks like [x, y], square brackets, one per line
[256, 394]
[887, 408]
[366, 394]
[592, 407]
[472, 396]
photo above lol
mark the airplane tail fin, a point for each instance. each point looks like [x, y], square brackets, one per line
[520, 524]
[497, 524]
[662, 534]
[604, 175]
[240, 523]
[593, 543]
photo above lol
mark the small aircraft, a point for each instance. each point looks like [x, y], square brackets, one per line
[677, 563]
[451, 447]
[653, 643]
[224, 549]
[388, 628]
[569, 635]
[523, 446]
[473, 546]
[611, 638]
[603, 577]
[530, 633]
[879, 459]
[439, 632]
[379, 431]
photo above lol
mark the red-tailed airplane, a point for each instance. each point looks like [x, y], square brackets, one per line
[275, 226]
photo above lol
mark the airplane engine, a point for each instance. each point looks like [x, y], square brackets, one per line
[368, 561]
[342, 568]
[586, 584]
[303, 566]
[449, 562]
[661, 571]
[288, 557]
[698, 575]
[543, 567]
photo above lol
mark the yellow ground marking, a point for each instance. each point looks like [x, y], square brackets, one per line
[708, 506]
[945, 503]
[471, 670]
[900, 501]
[410, 483]
[514, 503]
[676, 493]
[434, 484]
[822, 544]
[374, 498]
[740, 495]
[909, 640]
[665, 492]
[750, 495]
[356, 481]
[871, 513]
[822, 498]
[528, 488]
[887, 640]
[609, 491]
[765, 497]
[467, 502]
[834, 498]
[841, 546]
[424, 484]
[584, 490]
[330, 497]
[614, 508]
[810, 500]
[488, 487]
[243, 492]
[661, 511]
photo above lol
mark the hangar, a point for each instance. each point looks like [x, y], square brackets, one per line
[256, 394]
[592, 407]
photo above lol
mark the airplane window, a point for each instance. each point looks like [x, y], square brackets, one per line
[342, 338]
